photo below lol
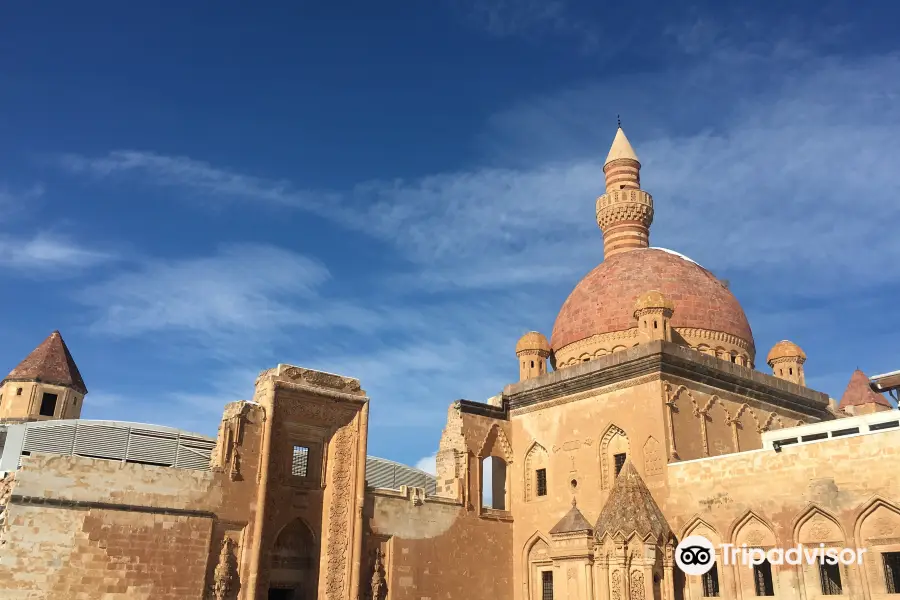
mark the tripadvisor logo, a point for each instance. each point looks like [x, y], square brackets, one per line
[696, 555]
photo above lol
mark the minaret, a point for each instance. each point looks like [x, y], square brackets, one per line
[625, 211]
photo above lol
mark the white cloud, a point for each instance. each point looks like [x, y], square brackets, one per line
[427, 464]
[47, 252]
[241, 289]
[778, 173]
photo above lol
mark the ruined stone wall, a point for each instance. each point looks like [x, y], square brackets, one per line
[83, 528]
[436, 549]
[840, 492]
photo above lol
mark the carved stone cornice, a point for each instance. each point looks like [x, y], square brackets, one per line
[616, 206]
[666, 358]
[787, 359]
[470, 407]
[319, 391]
[718, 336]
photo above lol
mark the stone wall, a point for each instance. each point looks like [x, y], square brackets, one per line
[841, 492]
[83, 528]
[436, 549]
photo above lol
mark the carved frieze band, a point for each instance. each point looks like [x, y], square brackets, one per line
[599, 345]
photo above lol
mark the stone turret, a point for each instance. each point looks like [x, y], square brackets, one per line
[533, 350]
[786, 359]
[625, 211]
[653, 312]
[45, 385]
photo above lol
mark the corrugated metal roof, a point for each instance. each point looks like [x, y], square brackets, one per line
[166, 446]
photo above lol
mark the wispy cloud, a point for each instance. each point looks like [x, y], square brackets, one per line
[47, 253]
[772, 170]
[12, 201]
[240, 289]
[529, 18]
[772, 174]
[428, 464]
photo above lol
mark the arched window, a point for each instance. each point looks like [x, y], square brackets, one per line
[493, 483]
[536, 463]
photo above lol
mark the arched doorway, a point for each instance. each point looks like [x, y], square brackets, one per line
[295, 564]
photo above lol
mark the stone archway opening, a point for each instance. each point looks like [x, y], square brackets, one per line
[294, 566]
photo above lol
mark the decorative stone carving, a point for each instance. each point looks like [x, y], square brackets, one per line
[339, 514]
[226, 456]
[773, 421]
[499, 438]
[605, 476]
[536, 457]
[637, 586]
[572, 573]
[820, 530]
[884, 527]
[616, 586]
[653, 460]
[754, 537]
[226, 571]
[321, 412]
[322, 379]
[571, 445]
[379, 585]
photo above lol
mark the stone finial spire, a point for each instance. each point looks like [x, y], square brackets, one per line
[625, 211]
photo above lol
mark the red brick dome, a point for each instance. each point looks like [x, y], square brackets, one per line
[604, 300]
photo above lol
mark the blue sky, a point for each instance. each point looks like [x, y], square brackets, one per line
[193, 192]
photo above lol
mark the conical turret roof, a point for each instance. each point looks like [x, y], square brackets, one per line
[572, 522]
[621, 148]
[51, 363]
[631, 509]
[859, 392]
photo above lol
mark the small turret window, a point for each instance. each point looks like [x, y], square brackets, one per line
[540, 364]
[532, 364]
[48, 405]
[655, 325]
[18, 391]
[791, 371]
